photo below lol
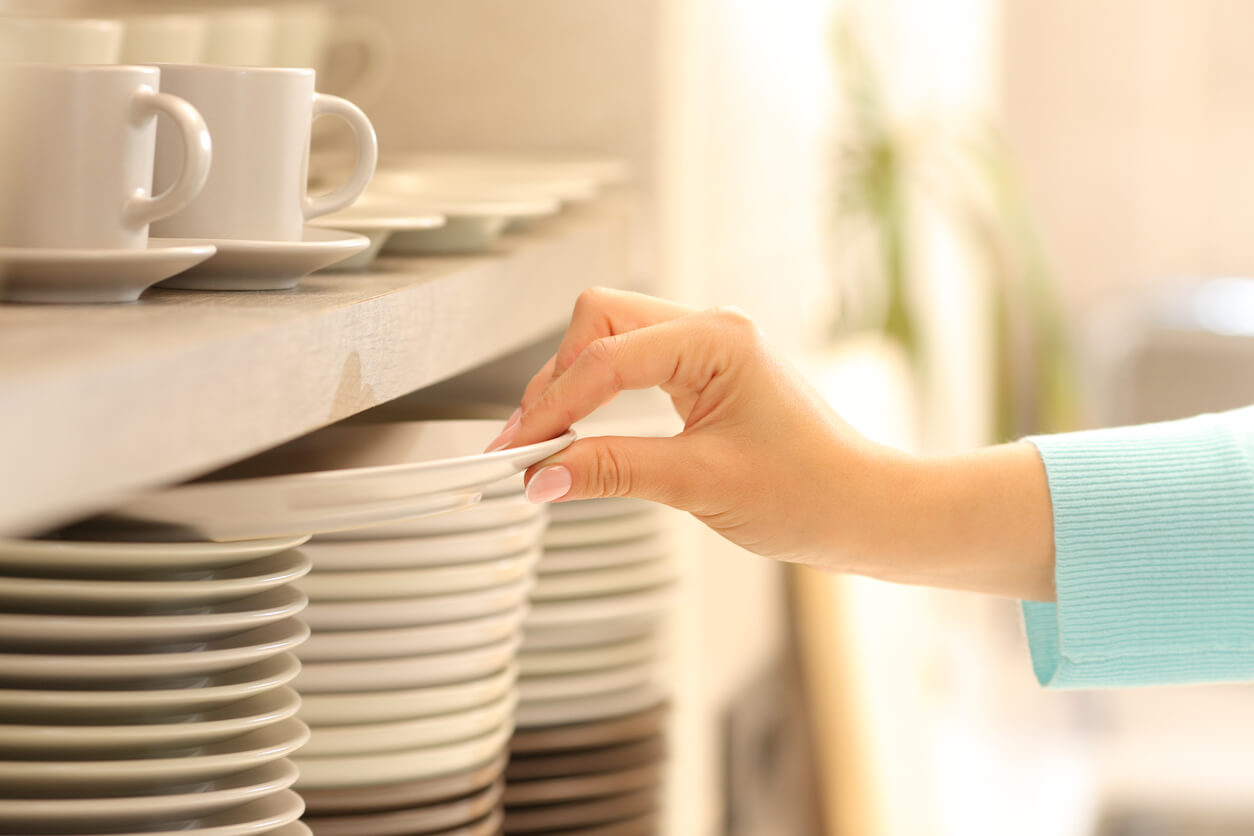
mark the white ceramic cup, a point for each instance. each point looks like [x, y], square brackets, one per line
[260, 118]
[76, 155]
[57, 40]
[163, 39]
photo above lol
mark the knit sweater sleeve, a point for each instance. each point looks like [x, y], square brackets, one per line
[1154, 555]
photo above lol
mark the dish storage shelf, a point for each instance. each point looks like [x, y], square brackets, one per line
[97, 402]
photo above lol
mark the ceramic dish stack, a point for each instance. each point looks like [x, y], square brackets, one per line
[410, 676]
[592, 663]
[146, 687]
[599, 778]
[349, 476]
[460, 203]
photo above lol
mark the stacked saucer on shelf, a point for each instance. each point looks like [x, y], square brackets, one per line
[599, 777]
[147, 687]
[346, 476]
[592, 663]
[409, 679]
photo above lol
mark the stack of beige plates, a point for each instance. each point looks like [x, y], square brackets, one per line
[412, 676]
[599, 778]
[592, 655]
[146, 687]
[409, 679]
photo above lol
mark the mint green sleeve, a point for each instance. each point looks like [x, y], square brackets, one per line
[1154, 551]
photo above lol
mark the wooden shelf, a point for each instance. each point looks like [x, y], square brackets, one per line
[100, 402]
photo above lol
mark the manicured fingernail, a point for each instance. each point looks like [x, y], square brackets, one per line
[507, 435]
[549, 484]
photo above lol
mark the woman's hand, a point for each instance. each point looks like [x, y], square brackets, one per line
[762, 459]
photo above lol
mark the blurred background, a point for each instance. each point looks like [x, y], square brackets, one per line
[969, 221]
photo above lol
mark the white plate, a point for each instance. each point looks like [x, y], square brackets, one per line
[465, 201]
[585, 510]
[614, 580]
[604, 557]
[407, 671]
[91, 276]
[378, 225]
[420, 583]
[586, 709]
[421, 733]
[155, 699]
[490, 512]
[59, 814]
[571, 686]
[394, 767]
[459, 236]
[376, 238]
[416, 181]
[345, 476]
[407, 704]
[411, 641]
[28, 632]
[212, 587]
[590, 633]
[596, 657]
[604, 170]
[364, 218]
[413, 552]
[78, 559]
[273, 814]
[612, 530]
[474, 217]
[511, 487]
[197, 660]
[81, 740]
[76, 778]
[268, 265]
[409, 612]
[576, 614]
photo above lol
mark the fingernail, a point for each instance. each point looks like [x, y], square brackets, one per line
[507, 435]
[549, 484]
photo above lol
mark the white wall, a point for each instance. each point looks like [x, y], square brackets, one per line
[1134, 127]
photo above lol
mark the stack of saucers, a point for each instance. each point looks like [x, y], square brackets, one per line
[409, 679]
[146, 687]
[591, 659]
[599, 778]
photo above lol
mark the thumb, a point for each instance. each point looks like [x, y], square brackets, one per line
[592, 468]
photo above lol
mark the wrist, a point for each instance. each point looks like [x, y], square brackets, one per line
[875, 525]
[979, 521]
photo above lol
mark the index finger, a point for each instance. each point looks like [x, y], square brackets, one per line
[601, 312]
[684, 355]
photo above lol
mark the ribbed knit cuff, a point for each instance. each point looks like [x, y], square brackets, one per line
[1154, 551]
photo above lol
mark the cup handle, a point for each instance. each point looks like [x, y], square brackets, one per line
[197, 154]
[368, 38]
[367, 156]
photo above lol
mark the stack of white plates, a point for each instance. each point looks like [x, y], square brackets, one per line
[409, 679]
[412, 674]
[592, 654]
[146, 687]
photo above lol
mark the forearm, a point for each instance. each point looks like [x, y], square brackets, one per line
[978, 521]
